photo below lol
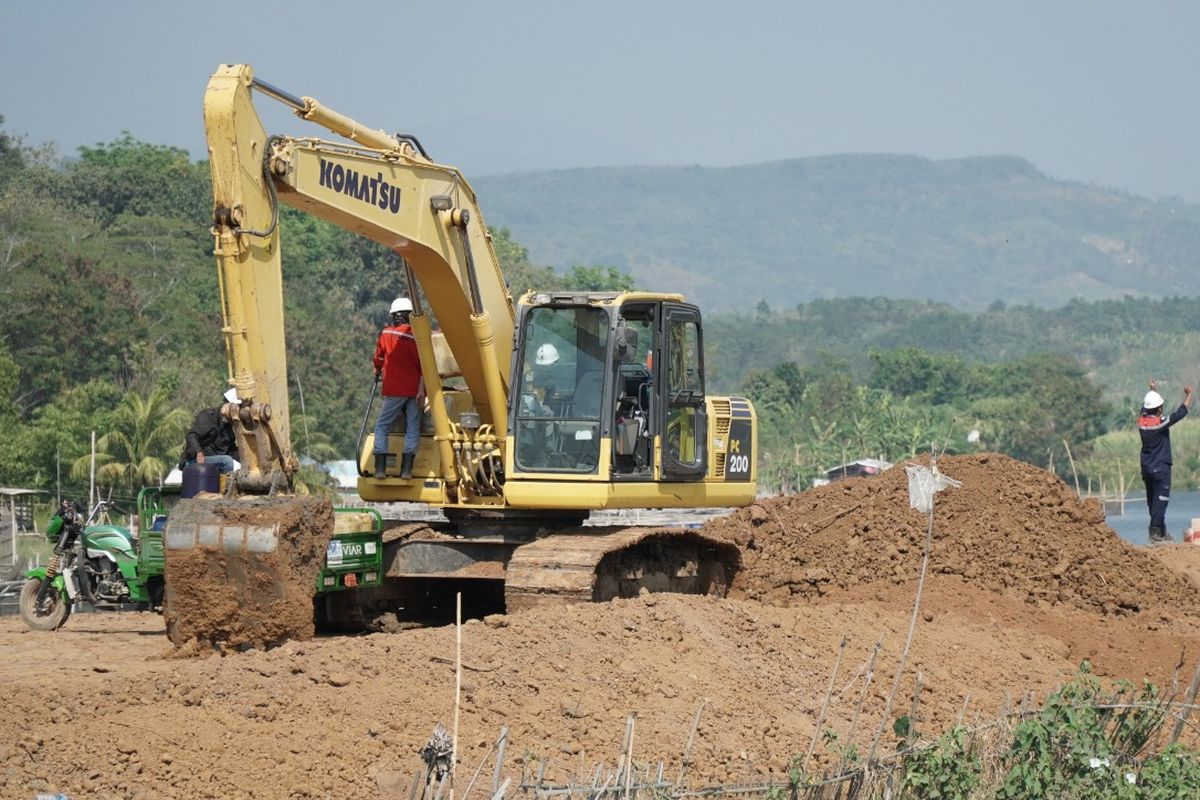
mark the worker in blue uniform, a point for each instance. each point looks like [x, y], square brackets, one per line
[1155, 430]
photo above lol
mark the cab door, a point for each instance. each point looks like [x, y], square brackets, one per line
[685, 423]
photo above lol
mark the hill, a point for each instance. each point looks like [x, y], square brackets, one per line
[964, 231]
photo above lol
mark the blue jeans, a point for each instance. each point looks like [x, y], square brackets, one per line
[392, 406]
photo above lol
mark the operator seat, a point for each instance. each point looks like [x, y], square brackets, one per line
[588, 395]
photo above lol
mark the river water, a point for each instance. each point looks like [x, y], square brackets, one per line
[1131, 526]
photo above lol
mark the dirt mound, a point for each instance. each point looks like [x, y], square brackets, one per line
[1009, 527]
[242, 573]
[1183, 558]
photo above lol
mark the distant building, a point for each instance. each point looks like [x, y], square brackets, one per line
[854, 469]
[16, 519]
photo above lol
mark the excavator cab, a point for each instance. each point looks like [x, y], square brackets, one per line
[561, 372]
[610, 387]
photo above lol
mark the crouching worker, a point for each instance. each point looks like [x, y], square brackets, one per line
[211, 439]
[397, 360]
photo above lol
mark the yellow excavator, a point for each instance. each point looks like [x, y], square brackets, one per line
[537, 413]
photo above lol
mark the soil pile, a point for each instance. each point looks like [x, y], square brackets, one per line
[1009, 527]
[242, 573]
[1183, 558]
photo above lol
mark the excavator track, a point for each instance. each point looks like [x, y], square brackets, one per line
[600, 564]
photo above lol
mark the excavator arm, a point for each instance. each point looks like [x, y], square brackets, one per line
[382, 187]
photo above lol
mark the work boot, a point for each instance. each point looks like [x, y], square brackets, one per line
[381, 460]
[406, 465]
[1160, 536]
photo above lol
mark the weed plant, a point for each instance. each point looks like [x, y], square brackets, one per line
[1085, 742]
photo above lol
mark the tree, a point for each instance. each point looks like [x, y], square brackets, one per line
[144, 437]
[920, 375]
[1027, 407]
[10, 422]
[598, 279]
[521, 274]
[12, 159]
[127, 176]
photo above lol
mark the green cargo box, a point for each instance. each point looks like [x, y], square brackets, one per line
[355, 555]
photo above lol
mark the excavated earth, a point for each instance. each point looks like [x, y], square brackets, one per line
[1025, 582]
[241, 595]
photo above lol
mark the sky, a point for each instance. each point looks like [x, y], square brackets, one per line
[1100, 92]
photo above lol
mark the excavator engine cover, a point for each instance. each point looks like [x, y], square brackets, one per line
[241, 572]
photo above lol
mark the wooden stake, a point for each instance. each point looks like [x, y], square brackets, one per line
[687, 750]
[912, 716]
[837, 665]
[912, 627]
[861, 698]
[457, 685]
[1187, 705]
[629, 757]
[92, 491]
[499, 758]
[1071, 458]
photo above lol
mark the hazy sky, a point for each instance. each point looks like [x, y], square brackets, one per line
[1099, 92]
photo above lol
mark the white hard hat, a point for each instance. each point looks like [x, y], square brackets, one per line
[231, 395]
[401, 304]
[1153, 400]
[546, 354]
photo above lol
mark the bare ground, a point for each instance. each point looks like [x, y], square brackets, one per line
[95, 709]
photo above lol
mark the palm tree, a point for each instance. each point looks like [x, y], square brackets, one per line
[139, 449]
[315, 448]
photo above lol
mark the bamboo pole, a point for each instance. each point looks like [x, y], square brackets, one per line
[457, 685]
[1188, 701]
[870, 676]
[837, 665]
[912, 626]
[687, 750]
[12, 510]
[499, 758]
[1121, 477]
[912, 716]
[629, 759]
[92, 476]
[1071, 458]
[467, 791]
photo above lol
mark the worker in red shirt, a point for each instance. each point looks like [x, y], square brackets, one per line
[397, 360]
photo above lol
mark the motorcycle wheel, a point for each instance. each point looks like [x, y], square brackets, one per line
[49, 618]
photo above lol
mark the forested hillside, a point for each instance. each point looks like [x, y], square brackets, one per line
[113, 322]
[965, 231]
[1119, 342]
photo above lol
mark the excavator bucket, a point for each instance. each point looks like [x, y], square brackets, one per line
[241, 572]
